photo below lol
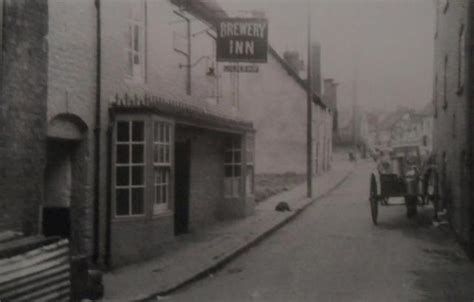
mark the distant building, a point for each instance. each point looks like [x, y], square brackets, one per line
[453, 106]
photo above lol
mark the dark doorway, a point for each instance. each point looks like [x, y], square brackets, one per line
[182, 182]
[58, 188]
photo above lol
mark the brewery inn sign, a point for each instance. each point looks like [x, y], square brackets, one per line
[242, 40]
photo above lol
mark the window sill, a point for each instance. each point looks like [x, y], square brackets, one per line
[128, 218]
[164, 213]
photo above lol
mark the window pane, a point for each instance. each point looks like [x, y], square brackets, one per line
[165, 175]
[228, 157]
[161, 157]
[122, 177]
[156, 153]
[167, 154]
[138, 154]
[122, 205]
[237, 157]
[162, 133]
[137, 201]
[123, 132]
[228, 171]
[156, 132]
[123, 154]
[157, 176]
[138, 131]
[138, 175]
[158, 194]
[237, 171]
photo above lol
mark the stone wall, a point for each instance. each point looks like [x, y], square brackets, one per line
[23, 113]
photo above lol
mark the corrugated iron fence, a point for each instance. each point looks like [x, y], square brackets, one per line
[42, 273]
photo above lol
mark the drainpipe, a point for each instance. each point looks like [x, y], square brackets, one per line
[97, 135]
[108, 233]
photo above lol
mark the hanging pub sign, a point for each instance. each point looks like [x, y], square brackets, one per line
[242, 40]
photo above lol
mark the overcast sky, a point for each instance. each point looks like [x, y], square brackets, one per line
[388, 44]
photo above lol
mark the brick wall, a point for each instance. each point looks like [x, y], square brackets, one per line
[23, 113]
[451, 123]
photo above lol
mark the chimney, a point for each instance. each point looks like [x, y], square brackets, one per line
[293, 60]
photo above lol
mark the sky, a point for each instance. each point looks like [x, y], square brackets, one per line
[383, 48]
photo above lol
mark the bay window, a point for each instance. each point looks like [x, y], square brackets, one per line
[143, 163]
[130, 168]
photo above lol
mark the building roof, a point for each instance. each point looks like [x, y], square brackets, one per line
[182, 111]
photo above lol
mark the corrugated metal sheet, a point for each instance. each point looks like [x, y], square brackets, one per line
[40, 274]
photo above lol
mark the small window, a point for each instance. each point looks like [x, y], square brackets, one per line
[130, 168]
[162, 148]
[232, 167]
[461, 59]
[135, 45]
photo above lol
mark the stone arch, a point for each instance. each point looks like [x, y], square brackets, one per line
[67, 126]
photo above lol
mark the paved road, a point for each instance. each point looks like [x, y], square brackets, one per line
[332, 252]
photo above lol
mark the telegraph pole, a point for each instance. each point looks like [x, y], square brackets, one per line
[309, 126]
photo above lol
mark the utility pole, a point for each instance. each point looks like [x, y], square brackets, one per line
[309, 130]
[354, 106]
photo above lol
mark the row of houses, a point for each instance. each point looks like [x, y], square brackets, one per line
[120, 130]
[401, 127]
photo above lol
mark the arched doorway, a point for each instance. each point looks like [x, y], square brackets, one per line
[66, 207]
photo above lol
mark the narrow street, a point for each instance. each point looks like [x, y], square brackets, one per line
[332, 252]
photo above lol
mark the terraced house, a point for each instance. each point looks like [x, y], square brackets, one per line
[129, 133]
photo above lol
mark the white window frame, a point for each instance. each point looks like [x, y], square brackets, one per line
[234, 181]
[130, 164]
[136, 41]
[162, 142]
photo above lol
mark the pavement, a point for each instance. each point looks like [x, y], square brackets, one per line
[201, 253]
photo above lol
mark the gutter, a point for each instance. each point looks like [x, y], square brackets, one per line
[97, 136]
